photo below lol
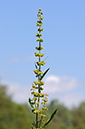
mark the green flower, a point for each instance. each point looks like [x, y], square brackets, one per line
[45, 103]
[38, 82]
[42, 103]
[40, 12]
[40, 9]
[41, 63]
[36, 94]
[41, 95]
[40, 40]
[46, 94]
[36, 111]
[39, 54]
[38, 34]
[43, 115]
[31, 89]
[32, 93]
[45, 108]
[44, 100]
[38, 24]
[41, 110]
[35, 87]
[38, 72]
[37, 103]
[40, 29]
[39, 17]
[39, 48]
[41, 88]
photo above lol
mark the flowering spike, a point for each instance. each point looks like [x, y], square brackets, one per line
[37, 86]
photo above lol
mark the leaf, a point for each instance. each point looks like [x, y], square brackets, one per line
[45, 58]
[44, 74]
[36, 66]
[49, 119]
[31, 103]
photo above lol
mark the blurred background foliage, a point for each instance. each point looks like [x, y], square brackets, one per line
[19, 116]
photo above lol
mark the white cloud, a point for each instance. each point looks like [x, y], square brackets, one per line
[20, 94]
[70, 99]
[61, 88]
[52, 78]
[55, 84]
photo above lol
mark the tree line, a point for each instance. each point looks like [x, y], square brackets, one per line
[19, 116]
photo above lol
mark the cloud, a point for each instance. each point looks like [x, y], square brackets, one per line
[61, 88]
[71, 99]
[64, 89]
[20, 94]
[57, 84]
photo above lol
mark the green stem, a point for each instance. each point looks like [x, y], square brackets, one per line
[40, 120]
[38, 88]
[36, 120]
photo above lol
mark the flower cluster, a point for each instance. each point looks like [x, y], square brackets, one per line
[37, 86]
[38, 97]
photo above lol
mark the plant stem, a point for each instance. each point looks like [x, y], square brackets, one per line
[38, 89]
[36, 120]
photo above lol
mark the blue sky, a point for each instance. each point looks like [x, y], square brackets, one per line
[64, 43]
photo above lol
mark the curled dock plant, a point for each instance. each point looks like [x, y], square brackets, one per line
[38, 97]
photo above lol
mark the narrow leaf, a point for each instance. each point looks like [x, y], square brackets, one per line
[45, 58]
[36, 66]
[44, 74]
[49, 119]
[31, 103]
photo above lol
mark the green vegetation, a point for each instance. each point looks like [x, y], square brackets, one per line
[18, 116]
[12, 115]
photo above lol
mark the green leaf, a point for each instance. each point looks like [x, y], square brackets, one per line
[36, 66]
[44, 74]
[31, 103]
[45, 58]
[49, 119]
